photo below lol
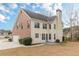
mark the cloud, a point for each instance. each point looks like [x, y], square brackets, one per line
[35, 5]
[58, 6]
[2, 18]
[7, 10]
[14, 5]
[38, 12]
[23, 5]
[52, 7]
[8, 18]
[4, 9]
[47, 6]
[43, 6]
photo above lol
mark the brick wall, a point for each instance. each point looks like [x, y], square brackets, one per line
[21, 25]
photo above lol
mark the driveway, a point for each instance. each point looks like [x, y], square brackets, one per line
[4, 44]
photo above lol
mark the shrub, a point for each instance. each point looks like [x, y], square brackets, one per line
[10, 40]
[6, 37]
[68, 38]
[26, 41]
[76, 36]
[57, 41]
[20, 41]
[64, 39]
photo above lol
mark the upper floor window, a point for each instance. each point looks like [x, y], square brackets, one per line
[49, 26]
[36, 35]
[21, 26]
[28, 25]
[17, 26]
[44, 26]
[54, 26]
[37, 25]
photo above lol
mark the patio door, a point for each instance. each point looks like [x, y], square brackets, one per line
[46, 37]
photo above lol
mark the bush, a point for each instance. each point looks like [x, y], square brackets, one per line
[20, 41]
[6, 37]
[76, 36]
[68, 38]
[57, 41]
[64, 39]
[26, 41]
[10, 40]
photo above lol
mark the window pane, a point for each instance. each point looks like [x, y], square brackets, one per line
[49, 26]
[54, 36]
[17, 26]
[44, 26]
[36, 35]
[28, 25]
[21, 27]
[37, 25]
[43, 36]
[54, 26]
[49, 36]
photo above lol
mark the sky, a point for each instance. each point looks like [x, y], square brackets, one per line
[9, 11]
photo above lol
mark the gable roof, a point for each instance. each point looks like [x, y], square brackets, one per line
[39, 16]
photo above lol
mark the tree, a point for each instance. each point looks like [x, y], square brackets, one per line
[73, 22]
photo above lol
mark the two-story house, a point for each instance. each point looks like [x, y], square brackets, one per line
[39, 27]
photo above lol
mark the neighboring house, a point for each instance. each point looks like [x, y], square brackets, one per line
[39, 27]
[74, 31]
[4, 33]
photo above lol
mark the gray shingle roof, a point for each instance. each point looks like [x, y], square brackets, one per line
[51, 18]
[39, 16]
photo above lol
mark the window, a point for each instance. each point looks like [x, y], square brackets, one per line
[37, 25]
[49, 36]
[49, 26]
[43, 36]
[17, 26]
[54, 36]
[28, 25]
[36, 35]
[44, 26]
[54, 26]
[21, 26]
